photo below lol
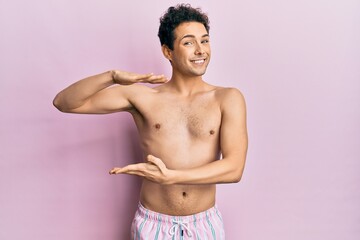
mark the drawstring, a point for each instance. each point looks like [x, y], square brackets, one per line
[174, 229]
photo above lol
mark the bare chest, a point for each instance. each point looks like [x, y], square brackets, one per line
[197, 118]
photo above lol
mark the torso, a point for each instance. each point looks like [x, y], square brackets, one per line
[184, 133]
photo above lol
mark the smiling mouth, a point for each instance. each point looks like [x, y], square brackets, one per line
[198, 61]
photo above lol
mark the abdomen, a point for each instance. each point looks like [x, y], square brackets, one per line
[179, 200]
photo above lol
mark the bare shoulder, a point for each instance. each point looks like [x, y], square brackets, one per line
[229, 96]
[226, 91]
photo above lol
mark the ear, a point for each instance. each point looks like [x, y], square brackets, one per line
[167, 52]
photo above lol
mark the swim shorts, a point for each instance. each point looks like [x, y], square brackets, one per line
[150, 225]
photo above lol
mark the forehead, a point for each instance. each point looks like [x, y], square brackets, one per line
[190, 28]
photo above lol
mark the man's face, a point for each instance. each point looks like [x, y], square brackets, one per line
[192, 52]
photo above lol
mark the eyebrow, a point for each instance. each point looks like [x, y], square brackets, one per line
[193, 36]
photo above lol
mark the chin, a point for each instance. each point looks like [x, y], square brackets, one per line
[200, 73]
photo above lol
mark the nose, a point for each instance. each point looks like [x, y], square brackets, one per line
[199, 50]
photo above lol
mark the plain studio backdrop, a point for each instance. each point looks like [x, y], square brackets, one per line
[296, 62]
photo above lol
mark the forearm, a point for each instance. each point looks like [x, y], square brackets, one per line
[219, 171]
[76, 94]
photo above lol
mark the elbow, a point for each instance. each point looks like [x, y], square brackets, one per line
[236, 176]
[236, 179]
[57, 104]
[236, 170]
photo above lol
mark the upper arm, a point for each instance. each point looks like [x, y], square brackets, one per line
[233, 134]
[112, 99]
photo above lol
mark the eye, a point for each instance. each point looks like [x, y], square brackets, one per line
[187, 43]
[205, 41]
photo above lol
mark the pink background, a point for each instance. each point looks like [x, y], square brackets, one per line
[297, 63]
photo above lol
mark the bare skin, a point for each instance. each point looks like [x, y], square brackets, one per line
[184, 125]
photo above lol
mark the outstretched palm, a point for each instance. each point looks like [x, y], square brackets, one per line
[154, 170]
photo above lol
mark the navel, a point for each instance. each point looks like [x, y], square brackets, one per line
[184, 194]
[157, 126]
[212, 132]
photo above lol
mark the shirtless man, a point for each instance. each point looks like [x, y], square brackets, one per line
[185, 125]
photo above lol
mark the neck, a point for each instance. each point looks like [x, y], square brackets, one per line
[186, 85]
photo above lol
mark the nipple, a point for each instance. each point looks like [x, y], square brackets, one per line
[157, 126]
[212, 132]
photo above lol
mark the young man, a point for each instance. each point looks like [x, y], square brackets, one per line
[184, 126]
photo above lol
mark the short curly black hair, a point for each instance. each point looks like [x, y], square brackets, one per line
[174, 16]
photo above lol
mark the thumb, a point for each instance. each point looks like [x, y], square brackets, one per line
[151, 158]
[156, 161]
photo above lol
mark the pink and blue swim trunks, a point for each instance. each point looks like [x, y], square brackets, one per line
[150, 225]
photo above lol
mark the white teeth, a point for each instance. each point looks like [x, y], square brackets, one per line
[199, 61]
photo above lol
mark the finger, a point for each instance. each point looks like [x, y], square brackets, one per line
[113, 171]
[162, 80]
[150, 158]
[145, 77]
[155, 79]
[141, 77]
[138, 167]
[137, 173]
[156, 161]
[125, 169]
[158, 81]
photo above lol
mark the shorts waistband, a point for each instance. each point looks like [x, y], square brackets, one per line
[155, 216]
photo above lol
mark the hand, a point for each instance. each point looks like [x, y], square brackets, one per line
[128, 78]
[153, 170]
